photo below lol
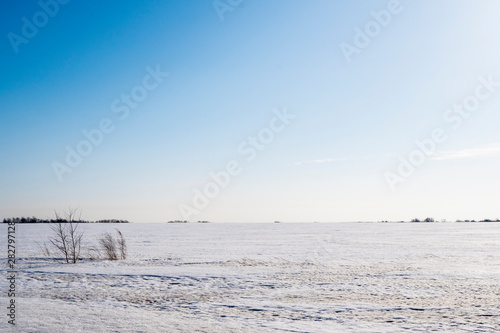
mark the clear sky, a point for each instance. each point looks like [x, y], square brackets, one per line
[353, 94]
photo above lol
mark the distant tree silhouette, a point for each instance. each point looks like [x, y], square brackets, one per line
[59, 219]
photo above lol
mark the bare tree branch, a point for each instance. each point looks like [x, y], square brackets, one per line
[109, 246]
[122, 245]
[66, 236]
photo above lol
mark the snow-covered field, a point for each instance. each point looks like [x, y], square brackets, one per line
[339, 277]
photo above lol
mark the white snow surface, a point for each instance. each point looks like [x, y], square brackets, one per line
[316, 277]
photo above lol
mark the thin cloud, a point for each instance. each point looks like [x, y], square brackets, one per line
[468, 153]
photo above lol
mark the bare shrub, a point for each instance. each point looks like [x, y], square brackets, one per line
[94, 253]
[66, 237]
[108, 244]
[112, 248]
[122, 245]
[59, 239]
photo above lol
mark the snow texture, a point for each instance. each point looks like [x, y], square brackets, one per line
[338, 277]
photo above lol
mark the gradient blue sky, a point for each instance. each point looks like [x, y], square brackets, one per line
[353, 120]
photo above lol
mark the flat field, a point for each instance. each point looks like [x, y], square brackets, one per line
[337, 277]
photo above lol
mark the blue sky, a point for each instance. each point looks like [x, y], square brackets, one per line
[353, 119]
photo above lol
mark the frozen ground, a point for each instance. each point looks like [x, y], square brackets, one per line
[345, 277]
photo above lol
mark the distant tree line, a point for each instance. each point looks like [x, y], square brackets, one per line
[186, 221]
[57, 220]
[485, 220]
[430, 219]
